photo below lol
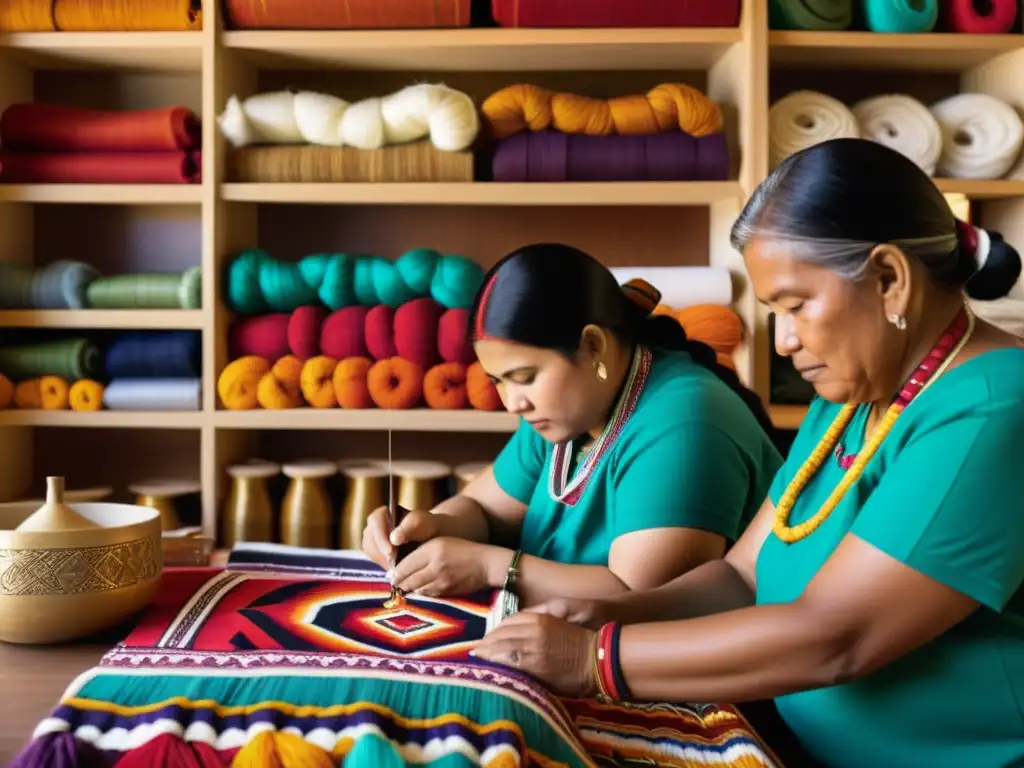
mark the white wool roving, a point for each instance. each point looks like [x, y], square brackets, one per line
[805, 118]
[448, 117]
[903, 124]
[982, 136]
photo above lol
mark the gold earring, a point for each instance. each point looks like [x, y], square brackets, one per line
[602, 372]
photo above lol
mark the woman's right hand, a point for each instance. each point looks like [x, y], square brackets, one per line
[418, 526]
[592, 614]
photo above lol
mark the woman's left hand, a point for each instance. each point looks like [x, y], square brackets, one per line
[447, 566]
[559, 654]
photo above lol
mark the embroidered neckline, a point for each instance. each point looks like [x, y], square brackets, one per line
[569, 493]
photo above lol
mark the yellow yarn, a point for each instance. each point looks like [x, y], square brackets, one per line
[823, 450]
[281, 749]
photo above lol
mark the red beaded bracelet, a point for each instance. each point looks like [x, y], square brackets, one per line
[609, 674]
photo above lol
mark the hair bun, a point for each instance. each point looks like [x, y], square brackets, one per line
[998, 264]
[642, 293]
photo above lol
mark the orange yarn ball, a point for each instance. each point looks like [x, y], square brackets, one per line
[6, 391]
[86, 395]
[28, 394]
[395, 383]
[281, 386]
[717, 326]
[350, 385]
[53, 392]
[318, 381]
[725, 361]
[667, 107]
[444, 387]
[238, 383]
[480, 390]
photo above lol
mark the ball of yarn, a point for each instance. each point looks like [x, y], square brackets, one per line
[416, 324]
[264, 336]
[28, 394]
[447, 116]
[380, 332]
[86, 395]
[444, 387]
[53, 393]
[280, 387]
[982, 136]
[343, 333]
[480, 390]
[667, 107]
[452, 343]
[717, 326]
[350, 385]
[395, 383]
[805, 118]
[903, 124]
[317, 381]
[304, 326]
[257, 283]
[6, 392]
[238, 384]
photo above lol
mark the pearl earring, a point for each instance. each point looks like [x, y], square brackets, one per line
[602, 372]
[899, 321]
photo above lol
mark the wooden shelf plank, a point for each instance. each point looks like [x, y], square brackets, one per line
[143, 319]
[932, 52]
[487, 50]
[996, 189]
[788, 416]
[100, 419]
[489, 193]
[134, 51]
[103, 194]
[370, 419]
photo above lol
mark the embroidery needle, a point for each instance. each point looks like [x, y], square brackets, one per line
[396, 598]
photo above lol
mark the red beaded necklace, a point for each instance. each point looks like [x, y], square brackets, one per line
[920, 376]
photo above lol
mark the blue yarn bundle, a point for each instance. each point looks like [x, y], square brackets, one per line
[155, 355]
[257, 283]
[901, 16]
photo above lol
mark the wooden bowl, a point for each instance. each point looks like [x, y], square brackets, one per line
[57, 586]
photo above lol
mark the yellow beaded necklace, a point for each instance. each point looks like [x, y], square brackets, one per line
[828, 442]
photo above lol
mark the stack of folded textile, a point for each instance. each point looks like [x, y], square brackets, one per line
[49, 143]
[672, 133]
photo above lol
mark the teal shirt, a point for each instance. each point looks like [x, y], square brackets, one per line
[944, 495]
[691, 455]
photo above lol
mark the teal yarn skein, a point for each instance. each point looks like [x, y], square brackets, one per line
[901, 16]
[257, 283]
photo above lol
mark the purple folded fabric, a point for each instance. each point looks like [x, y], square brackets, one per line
[555, 156]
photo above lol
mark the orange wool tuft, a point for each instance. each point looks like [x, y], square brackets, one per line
[280, 387]
[86, 395]
[53, 391]
[480, 390]
[318, 381]
[444, 387]
[28, 394]
[717, 326]
[238, 384]
[350, 385]
[395, 383]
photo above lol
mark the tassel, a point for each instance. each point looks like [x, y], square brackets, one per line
[59, 749]
[278, 749]
[170, 751]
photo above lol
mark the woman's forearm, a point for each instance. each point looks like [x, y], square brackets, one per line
[713, 587]
[748, 654]
[539, 580]
[463, 518]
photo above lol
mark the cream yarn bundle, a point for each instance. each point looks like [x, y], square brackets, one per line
[805, 118]
[447, 116]
[982, 136]
[904, 124]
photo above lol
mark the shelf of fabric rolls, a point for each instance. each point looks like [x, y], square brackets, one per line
[281, 177]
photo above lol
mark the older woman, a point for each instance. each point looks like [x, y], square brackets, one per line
[579, 502]
[876, 594]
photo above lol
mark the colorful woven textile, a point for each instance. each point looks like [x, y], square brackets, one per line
[288, 659]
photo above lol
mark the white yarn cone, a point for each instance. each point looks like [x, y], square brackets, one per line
[805, 118]
[903, 124]
[982, 136]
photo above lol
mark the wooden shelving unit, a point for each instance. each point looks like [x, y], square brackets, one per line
[145, 228]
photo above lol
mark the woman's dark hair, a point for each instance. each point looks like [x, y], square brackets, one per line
[832, 203]
[544, 295]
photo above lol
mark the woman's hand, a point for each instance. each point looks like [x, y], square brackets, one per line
[379, 542]
[592, 614]
[559, 654]
[448, 566]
